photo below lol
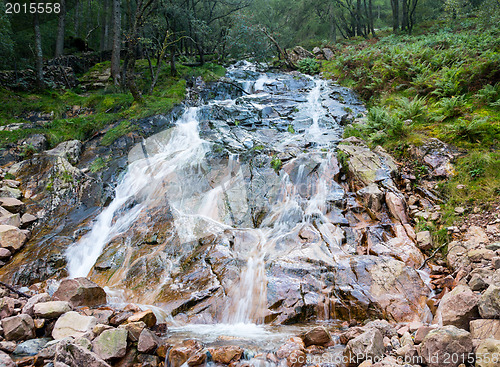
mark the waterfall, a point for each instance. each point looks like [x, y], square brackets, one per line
[140, 184]
[173, 166]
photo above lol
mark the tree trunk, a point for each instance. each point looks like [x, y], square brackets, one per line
[77, 18]
[370, 17]
[404, 20]
[38, 52]
[104, 43]
[395, 15]
[115, 53]
[61, 29]
[173, 70]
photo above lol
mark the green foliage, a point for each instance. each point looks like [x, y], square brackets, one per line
[308, 66]
[97, 165]
[276, 163]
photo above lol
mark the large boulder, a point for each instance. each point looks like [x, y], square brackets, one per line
[12, 238]
[80, 292]
[317, 336]
[71, 354]
[489, 303]
[51, 310]
[111, 344]
[488, 353]
[440, 344]
[18, 327]
[367, 346]
[458, 308]
[73, 324]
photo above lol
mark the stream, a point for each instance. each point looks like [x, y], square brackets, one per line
[237, 223]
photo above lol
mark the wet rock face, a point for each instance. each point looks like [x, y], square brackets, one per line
[239, 213]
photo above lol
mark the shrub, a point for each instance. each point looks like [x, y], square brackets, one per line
[308, 66]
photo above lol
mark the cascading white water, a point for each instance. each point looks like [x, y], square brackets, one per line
[174, 171]
[138, 186]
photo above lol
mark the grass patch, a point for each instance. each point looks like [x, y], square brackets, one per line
[72, 114]
[445, 85]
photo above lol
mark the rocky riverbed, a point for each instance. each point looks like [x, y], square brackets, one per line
[201, 238]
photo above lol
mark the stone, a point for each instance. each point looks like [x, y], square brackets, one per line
[6, 361]
[368, 345]
[480, 255]
[489, 303]
[148, 342]
[488, 353]
[7, 346]
[73, 324]
[99, 328]
[147, 360]
[485, 329]
[80, 292]
[495, 262]
[102, 315]
[18, 327]
[371, 197]
[329, 55]
[421, 333]
[11, 220]
[443, 342]
[12, 205]
[111, 344]
[7, 191]
[41, 297]
[458, 307]
[317, 336]
[179, 355]
[197, 359]
[134, 329]
[296, 359]
[71, 354]
[148, 317]
[477, 283]
[31, 347]
[51, 310]
[5, 254]
[227, 354]
[424, 240]
[350, 333]
[383, 326]
[459, 210]
[27, 220]
[397, 207]
[7, 307]
[69, 150]
[12, 238]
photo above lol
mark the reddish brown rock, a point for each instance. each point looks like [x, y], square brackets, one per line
[148, 342]
[197, 359]
[317, 336]
[18, 327]
[458, 307]
[80, 292]
[441, 343]
[12, 238]
[296, 359]
[148, 317]
[227, 354]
